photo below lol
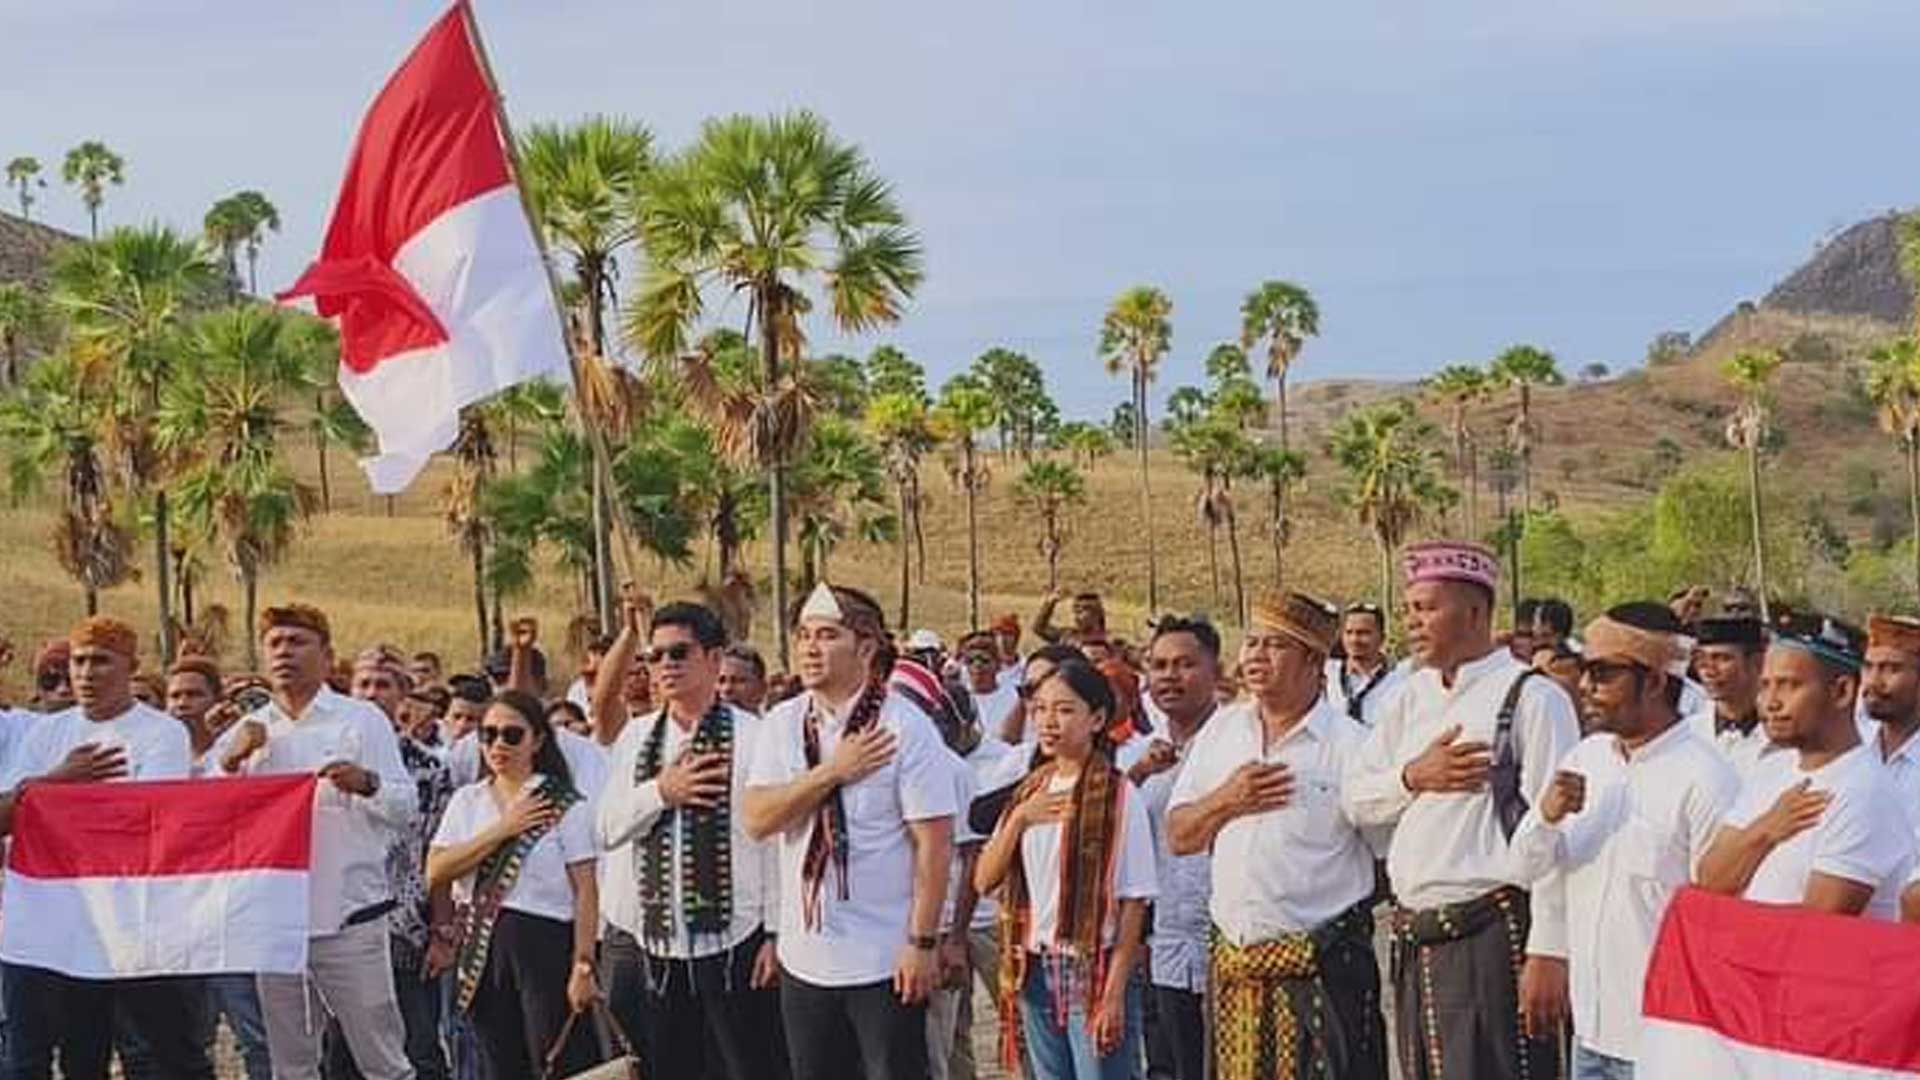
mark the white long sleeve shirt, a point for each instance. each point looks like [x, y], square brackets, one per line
[628, 810]
[1448, 848]
[1376, 692]
[1646, 821]
[350, 832]
[1178, 945]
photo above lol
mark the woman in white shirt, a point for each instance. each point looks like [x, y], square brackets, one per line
[1073, 860]
[517, 846]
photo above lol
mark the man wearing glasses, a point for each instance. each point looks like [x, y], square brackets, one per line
[994, 698]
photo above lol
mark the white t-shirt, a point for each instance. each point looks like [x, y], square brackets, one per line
[1134, 876]
[1863, 836]
[14, 725]
[992, 708]
[543, 887]
[586, 760]
[157, 745]
[858, 937]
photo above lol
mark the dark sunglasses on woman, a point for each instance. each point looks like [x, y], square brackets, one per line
[512, 736]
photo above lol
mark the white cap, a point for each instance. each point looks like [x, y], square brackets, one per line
[924, 640]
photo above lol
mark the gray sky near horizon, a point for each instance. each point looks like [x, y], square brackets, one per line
[1447, 177]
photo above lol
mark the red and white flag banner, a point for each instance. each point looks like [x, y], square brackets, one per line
[429, 265]
[1737, 989]
[165, 877]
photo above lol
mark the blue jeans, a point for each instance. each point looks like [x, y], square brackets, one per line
[234, 997]
[1070, 1053]
[1593, 1065]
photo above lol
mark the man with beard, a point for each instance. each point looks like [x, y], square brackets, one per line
[1294, 987]
[1628, 815]
[858, 786]
[1818, 826]
[1360, 683]
[1727, 656]
[1466, 746]
[1890, 689]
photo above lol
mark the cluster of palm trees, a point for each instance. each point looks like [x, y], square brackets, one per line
[90, 167]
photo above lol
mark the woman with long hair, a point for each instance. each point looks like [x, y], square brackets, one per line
[1073, 862]
[518, 847]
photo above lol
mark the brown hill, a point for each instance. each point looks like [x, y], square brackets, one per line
[27, 247]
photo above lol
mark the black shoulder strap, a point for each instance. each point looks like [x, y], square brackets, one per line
[1503, 728]
[1509, 803]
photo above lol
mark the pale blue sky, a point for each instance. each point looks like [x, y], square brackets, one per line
[1447, 177]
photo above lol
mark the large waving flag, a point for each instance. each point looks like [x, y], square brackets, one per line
[165, 877]
[1764, 992]
[430, 265]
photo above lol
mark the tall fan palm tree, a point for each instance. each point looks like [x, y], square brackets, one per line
[128, 295]
[1461, 386]
[899, 422]
[1050, 489]
[1135, 336]
[966, 408]
[1893, 383]
[1084, 443]
[91, 167]
[26, 320]
[331, 418]
[222, 420]
[839, 492]
[1393, 480]
[1751, 372]
[1524, 367]
[23, 175]
[464, 505]
[1282, 472]
[769, 208]
[241, 220]
[1215, 448]
[1284, 316]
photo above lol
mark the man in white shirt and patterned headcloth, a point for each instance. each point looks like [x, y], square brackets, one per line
[1364, 680]
[857, 785]
[1819, 826]
[1628, 815]
[1295, 988]
[1467, 745]
[366, 796]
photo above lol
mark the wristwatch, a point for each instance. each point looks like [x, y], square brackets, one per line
[923, 941]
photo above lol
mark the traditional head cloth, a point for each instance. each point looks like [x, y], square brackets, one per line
[1451, 560]
[1309, 620]
[105, 632]
[1008, 623]
[850, 608]
[1835, 643]
[299, 616]
[197, 664]
[388, 659]
[1730, 630]
[52, 655]
[1894, 632]
[1616, 635]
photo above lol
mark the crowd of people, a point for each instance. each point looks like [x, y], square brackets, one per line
[1139, 858]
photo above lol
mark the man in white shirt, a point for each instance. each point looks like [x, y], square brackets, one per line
[857, 785]
[1469, 742]
[1890, 690]
[1728, 654]
[690, 963]
[1819, 826]
[993, 698]
[1628, 815]
[1292, 876]
[1361, 683]
[367, 796]
[105, 735]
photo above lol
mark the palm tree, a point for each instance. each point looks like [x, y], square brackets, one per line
[839, 491]
[52, 424]
[23, 174]
[1393, 476]
[1893, 383]
[1460, 386]
[1284, 316]
[26, 320]
[1134, 337]
[128, 295]
[464, 505]
[1281, 471]
[92, 167]
[1186, 406]
[1751, 372]
[521, 407]
[238, 221]
[1215, 448]
[1084, 443]
[767, 208]
[1019, 392]
[965, 410]
[332, 418]
[899, 422]
[223, 421]
[1525, 367]
[1050, 489]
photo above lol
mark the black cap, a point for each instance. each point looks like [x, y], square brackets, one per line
[1730, 631]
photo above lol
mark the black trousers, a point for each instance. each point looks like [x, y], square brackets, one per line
[698, 1018]
[836, 1032]
[50, 1014]
[1183, 1031]
[521, 1005]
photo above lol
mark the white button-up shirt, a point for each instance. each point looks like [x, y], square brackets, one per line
[1448, 848]
[348, 873]
[157, 746]
[858, 937]
[1178, 945]
[1375, 691]
[1740, 750]
[1293, 869]
[1645, 823]
[1903, 769]
[628, 810]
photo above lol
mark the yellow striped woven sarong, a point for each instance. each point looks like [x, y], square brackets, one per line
[1256, 1015]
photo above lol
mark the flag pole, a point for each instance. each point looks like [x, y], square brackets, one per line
[596, 441]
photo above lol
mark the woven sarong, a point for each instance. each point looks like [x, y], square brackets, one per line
[1456, 978]
[1275, 1007]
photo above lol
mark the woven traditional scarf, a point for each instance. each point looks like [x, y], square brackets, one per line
[828, 843]
[491, 884]
[706, 840]
[1090, 851]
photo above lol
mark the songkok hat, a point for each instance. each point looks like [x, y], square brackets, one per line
[1894, 632]
[299, 616]
[1451, 560]
[198, 664]
[1307, 619]
[1832, 641]
[1727, 630]
[388, 659]
[105, 632]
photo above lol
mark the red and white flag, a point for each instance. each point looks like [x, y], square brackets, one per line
[1738, 990]
[164, 877]
[430, 265]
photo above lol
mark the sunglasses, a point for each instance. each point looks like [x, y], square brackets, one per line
[512, 736]
[679, 653]
[1607, 670]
